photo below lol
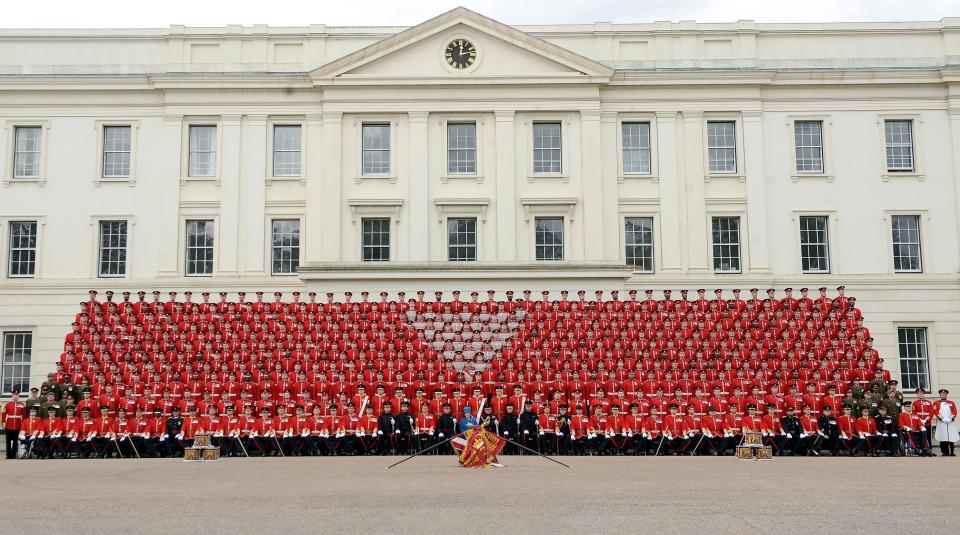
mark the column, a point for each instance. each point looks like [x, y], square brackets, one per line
[330, 184]
[253, 174]
[695, 227]
[606, 147]
[671, 172]
[954, 111]
[592, 185]
[228, 240]
[314, 174]
[757, 223]
[419, 208]
[168, 206]
[506, 198]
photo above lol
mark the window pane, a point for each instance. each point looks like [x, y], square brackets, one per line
[638, 233]
[203, 151]
[17, 356]
[906, 243]
[549, 238]
[546, 148]
[462, 239]
[461, 148]
[199, 248]
[726, 244]
[22, 253]
[722, 146]
[636, 148]
[113, 248]
[808, 143]
[814, 247]
[116, 151]
[375, 240]
[26, 152]
[285, 246]
[286, 150]
[899, 145]
[376, 149]
[912, 343]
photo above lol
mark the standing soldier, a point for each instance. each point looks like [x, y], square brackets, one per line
[946, 413]
[13, 414]
[923, 408]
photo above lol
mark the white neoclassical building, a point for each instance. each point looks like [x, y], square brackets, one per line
[463, 153]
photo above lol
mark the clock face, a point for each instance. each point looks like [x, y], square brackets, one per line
[460, 54]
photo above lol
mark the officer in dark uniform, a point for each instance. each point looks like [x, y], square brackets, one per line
[830, 429]
[489, 420]
[887, 428]
[792, 427]
[563, 424]
[529, 427]
[509, 428]
[174, 427]
[406, 423]
[387, 430]
[446, 428]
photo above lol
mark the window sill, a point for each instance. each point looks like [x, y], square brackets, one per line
[392, 178]
[287, 179]
[128, 180]
[533, 176]
[40, 181]
[797, 177]
[910, 175]
[99, 276]
[199, 180]
[622, 177]
[724, 176]
[465, 176]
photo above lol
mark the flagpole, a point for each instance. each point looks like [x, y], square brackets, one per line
[428, 448]
[537, 453]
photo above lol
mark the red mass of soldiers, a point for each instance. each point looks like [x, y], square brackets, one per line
[141, 377]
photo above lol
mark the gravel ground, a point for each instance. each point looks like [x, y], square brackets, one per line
[432, 494]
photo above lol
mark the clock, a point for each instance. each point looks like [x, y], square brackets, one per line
[460, 54]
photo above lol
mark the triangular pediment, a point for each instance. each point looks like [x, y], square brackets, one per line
[502, 53]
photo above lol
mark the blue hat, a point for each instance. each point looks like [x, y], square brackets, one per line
[467, 409]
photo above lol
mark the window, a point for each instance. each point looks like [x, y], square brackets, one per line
[17, 349]
[26, 152]
[199, 248]
[899, 141]
[461, 148]
[549, 238]
[912, 342]
[376, 239]
[113, 248]
[722, 146]
[808, 145]
[726, 244]
[546, 148]
[814, 247]
[636, 148]
[203, 151]
[116, 151]
[376, 149]
[285, 246]
[23, 249]
[906, 243]
[638, 233]
[462, 239]
[286, 150]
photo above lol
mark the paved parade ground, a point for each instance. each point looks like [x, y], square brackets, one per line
[531, 495]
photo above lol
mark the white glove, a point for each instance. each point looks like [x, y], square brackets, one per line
[526, 432]
[691, 435]
[802, 435]
[163, 437]
[180, 436]
[573, 436]
[305, 434]
[360, 433]
[764, 433]
[397, 431]
[379, 432]
[629, 433]
[789, 435]
[884, 434]
[440, 435]
[541, 433]
[505, 433]
[893, 434]
[559, 434]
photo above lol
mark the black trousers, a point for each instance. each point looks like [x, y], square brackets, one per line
[13, 442]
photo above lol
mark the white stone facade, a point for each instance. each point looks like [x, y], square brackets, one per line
[850, 82]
